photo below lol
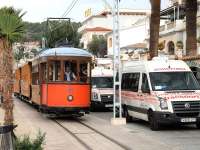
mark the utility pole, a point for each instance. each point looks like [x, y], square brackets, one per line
[116, 120]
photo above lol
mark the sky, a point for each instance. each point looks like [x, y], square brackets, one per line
[40, 10]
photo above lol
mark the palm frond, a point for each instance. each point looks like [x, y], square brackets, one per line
[11, 24]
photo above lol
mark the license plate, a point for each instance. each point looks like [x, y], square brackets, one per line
[109, 105]
[188, 119]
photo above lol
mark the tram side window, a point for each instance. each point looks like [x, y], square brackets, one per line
[70, 71]
[54, 71]
[130, 81]
[84, 72]
[35, 75]
[43, 72]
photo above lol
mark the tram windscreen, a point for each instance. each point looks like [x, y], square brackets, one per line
[102, 82]
[54, 71]
[67, 71]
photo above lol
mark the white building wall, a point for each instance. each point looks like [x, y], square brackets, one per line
[133, 35]
[107, 22]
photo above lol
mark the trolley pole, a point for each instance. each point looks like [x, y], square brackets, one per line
[117, 119]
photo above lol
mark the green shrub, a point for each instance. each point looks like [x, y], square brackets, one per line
[25, 143]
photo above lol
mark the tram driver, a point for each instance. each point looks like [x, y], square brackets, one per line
[69, 75]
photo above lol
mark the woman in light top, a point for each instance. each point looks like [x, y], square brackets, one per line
[69, 75]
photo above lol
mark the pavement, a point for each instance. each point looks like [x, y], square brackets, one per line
[134, 135]
[176, 137]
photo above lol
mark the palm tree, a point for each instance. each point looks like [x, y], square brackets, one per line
[191, 26]
[11, 29]
[154, 27]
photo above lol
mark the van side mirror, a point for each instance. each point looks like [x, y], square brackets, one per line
[145, 89]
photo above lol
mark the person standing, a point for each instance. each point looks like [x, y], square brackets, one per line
[69, 75]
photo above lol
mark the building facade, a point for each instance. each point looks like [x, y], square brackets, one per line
[172, 40]
[131, 38]
[102, 23]
[173, 29]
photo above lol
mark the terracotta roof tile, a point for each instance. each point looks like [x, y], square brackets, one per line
[98, 29]
[191, 57]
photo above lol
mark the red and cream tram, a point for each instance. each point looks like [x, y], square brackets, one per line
[57, 81]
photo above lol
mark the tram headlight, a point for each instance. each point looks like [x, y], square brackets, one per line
[163, 103]
[70, 98]
[95, 95]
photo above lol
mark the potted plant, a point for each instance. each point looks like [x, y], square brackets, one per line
[161, 46]
[179, 45]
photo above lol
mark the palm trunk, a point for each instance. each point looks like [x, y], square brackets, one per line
[191, 26]
[1, 64]
[7, 82]
[154, 28]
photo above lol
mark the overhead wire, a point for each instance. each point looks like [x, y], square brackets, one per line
[70, 7]
[68, 10]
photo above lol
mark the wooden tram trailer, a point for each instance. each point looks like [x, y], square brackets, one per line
[41, 82]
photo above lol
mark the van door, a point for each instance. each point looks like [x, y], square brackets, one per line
[130, 97]
[145, 96]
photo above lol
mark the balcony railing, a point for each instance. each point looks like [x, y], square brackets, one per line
[162, 28]
[171, 25]
[166, 27]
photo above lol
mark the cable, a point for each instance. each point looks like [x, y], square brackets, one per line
[70, 7]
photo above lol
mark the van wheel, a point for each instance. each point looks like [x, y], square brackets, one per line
[126, 114]
[198, 125]
[154, 125]
[93, 107]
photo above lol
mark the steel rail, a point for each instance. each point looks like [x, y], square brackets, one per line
[95, 131]
[105, 136]
[74, 135]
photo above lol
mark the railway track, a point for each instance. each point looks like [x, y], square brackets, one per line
[69, 128]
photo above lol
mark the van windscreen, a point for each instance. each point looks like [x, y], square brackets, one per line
[102, 82]
[168, 81]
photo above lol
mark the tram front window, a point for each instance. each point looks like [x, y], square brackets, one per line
[70, 71]
[67, 71]
[54, 71]
[84, 72]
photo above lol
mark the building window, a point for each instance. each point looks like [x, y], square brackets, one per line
[171, 48]
[130, 81]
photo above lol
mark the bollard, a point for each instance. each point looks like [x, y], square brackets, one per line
[7, 137]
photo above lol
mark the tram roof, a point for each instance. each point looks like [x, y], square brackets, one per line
[65, 51]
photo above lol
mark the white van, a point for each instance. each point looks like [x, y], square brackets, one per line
[102, 87]
[160, 91]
